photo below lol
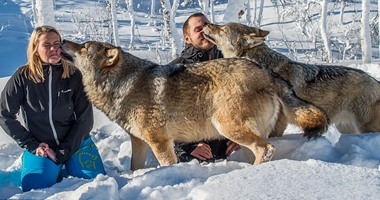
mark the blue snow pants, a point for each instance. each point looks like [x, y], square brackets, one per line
[40, 172]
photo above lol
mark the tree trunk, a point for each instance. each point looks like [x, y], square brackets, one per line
[254, 20]
[342, 7]
[324, 34]
[115, 26]
[365, 33]
[34, 13]
[170, 26]
[45, 13]
[131, 13]
[248, 13]
[260, 13]
[212, 14]
[153, 8]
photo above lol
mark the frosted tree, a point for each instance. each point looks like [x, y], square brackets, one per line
[207, 7]
[324, 34]
[365, 34]
[260, 14]
[170, 26]
[152, 21]
[212, 13]
[234, 10]
[342, 7]
[34, 12]
[248, 13]
[131, 13]
[153, 8]
[115, 25]
[45, 13]
[255, 13]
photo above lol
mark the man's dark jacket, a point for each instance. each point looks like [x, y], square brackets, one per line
[55, 111]
[192, 55]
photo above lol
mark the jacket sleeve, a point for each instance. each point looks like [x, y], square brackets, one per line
[81, 127]
[11, 100]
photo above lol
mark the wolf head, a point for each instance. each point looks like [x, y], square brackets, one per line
[234, 38]
[91, 57]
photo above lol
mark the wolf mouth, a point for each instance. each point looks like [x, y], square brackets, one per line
[66, 56]
[209, 38]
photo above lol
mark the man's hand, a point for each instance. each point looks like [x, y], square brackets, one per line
[44, 151]
[231, 147]
[202, 151]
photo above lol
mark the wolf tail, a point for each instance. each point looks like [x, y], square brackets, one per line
[313, 120]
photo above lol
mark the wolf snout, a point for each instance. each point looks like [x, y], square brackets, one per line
[64, 54]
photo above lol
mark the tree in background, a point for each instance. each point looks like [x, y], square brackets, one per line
[324, 34]
[45, 13]
[115, 25]
[131, 13]
[207, 7]
[365, 34]
[320, 21]
[341, 13]
[170, 27]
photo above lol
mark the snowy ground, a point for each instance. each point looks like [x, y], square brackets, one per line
[334, 166]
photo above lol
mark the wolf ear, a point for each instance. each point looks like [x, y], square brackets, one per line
[254, 39]
[112, 56]
[261, 33]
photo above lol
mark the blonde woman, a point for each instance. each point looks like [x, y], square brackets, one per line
[57, 115]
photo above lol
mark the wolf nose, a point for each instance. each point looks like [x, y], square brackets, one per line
[64, 41]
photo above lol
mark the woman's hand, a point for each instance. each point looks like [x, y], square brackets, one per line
[44, 151]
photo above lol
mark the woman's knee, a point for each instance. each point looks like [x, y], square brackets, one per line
[37, 181]
[86, 162]
[38, 172]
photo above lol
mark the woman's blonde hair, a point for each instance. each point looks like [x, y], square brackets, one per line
[33, 68]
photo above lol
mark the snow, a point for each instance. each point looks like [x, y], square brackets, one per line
[334, 166]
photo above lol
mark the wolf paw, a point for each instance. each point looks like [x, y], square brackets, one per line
[269, 154]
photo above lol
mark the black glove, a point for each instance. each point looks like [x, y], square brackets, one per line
[61, 156]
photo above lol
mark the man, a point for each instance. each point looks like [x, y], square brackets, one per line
[198, 49]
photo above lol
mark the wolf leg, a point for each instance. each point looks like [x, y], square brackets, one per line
[262, 149]
[163, 148]
[139, 151]
[280, 125]
[243, 135]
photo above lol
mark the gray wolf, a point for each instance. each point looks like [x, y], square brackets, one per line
[350, 97]
[160, 104]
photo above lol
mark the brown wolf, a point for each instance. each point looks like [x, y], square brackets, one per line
[350, 97]
[160, 104]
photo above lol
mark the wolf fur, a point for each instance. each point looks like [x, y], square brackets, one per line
[350, 97]
[159, 104]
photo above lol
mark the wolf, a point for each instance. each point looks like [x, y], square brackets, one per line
[349, 96]
[160, 104]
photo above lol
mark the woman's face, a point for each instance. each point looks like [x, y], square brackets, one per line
[48, 48]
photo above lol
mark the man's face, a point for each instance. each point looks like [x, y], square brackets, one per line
[194, 35]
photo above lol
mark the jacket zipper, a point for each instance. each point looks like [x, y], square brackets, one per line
[51, 106]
